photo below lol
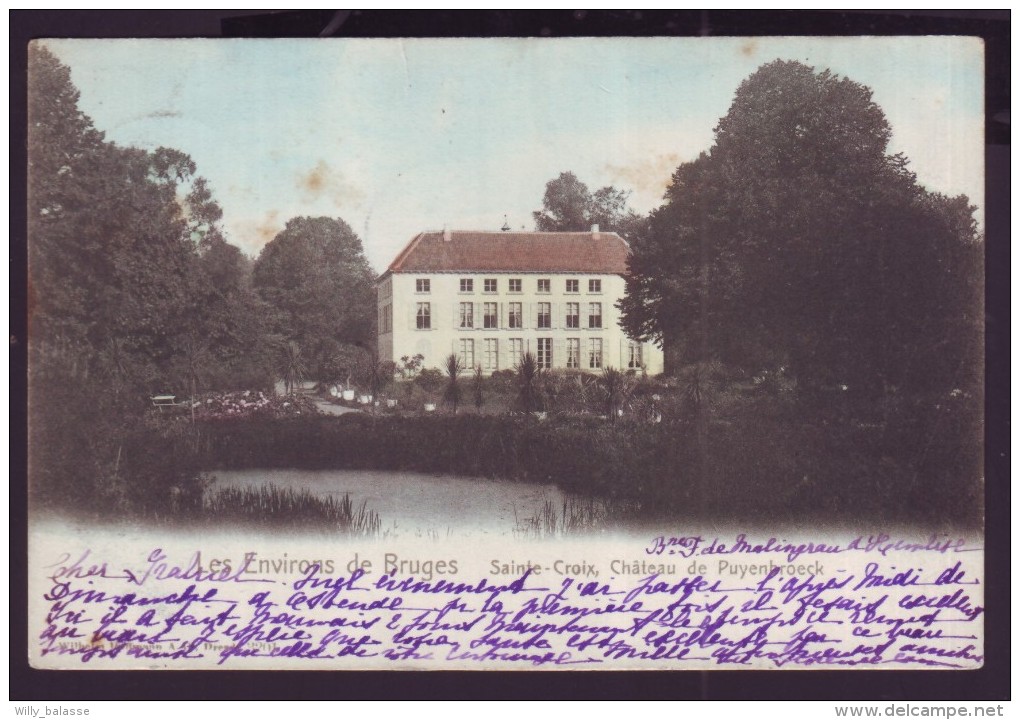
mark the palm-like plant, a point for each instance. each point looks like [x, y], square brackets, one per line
[452, 392]
[293, 366]
[615, 386]
[699, 387]
[479, 398]
[527, 381]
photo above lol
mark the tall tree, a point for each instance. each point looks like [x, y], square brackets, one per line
[314, 274]
[569, 206]
[797, 240]
[127, 263]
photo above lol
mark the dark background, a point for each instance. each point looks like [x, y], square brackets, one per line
[989, 683]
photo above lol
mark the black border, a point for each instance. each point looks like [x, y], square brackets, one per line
[988, 683]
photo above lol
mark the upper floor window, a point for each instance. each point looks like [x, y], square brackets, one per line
[467, 285]
[490, 285]
[594, 286]
[490, 317]
[423, 285]
[573, 286]
[573, 315]
[545, 315]
[544, 285]
[594, 315]
[424, 315]
[515, 316]
[515, 284]
[467, 315]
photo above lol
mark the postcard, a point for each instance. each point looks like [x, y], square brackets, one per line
[506, 354]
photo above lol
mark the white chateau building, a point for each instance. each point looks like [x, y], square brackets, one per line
[491, 297]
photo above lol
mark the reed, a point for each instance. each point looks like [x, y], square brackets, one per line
[272, 508]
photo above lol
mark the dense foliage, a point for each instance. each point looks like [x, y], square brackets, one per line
[315, 275]
[134, 291]
[798, 253]
[761, 472]
[823, 311]
[796, 241]
[569, 206]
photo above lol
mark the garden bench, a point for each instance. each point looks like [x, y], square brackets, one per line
[162, 401]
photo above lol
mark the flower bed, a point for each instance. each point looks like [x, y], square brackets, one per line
[251, 404]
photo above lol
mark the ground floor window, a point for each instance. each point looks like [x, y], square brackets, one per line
[573, 353]
[491, 354]
[467, 354]
[516, 351]
[595, 353]
[544, 353]
[634, 359]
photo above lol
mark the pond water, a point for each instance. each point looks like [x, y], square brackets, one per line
[416, 504]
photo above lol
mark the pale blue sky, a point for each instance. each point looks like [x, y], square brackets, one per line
[399, 136]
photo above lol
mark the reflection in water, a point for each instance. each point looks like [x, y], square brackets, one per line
[416, 504]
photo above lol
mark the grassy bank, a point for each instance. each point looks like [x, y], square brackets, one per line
[744, 469]
[756, 459]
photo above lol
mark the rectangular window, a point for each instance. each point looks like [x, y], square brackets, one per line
[491, 354]
[490, 318]
[467, 315]
[422, 285]
[573, 286]
[594, 286]
[573, 315]
[544, 353]
[595, 353]
[467, 354]
[544, 286]
[594, 315]
[424, 316]
[544, 315]
[467, 285]
[573, 353]
[490, 285]
[515, 317]
[386, 318]
[516, 351]
[634, 359]
[515, 284]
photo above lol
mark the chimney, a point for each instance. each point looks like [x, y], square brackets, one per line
[447, 234]
[595, 231]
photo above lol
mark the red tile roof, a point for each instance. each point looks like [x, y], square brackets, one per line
[580, 252]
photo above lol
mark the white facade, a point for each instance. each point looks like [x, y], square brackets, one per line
[567, 320]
